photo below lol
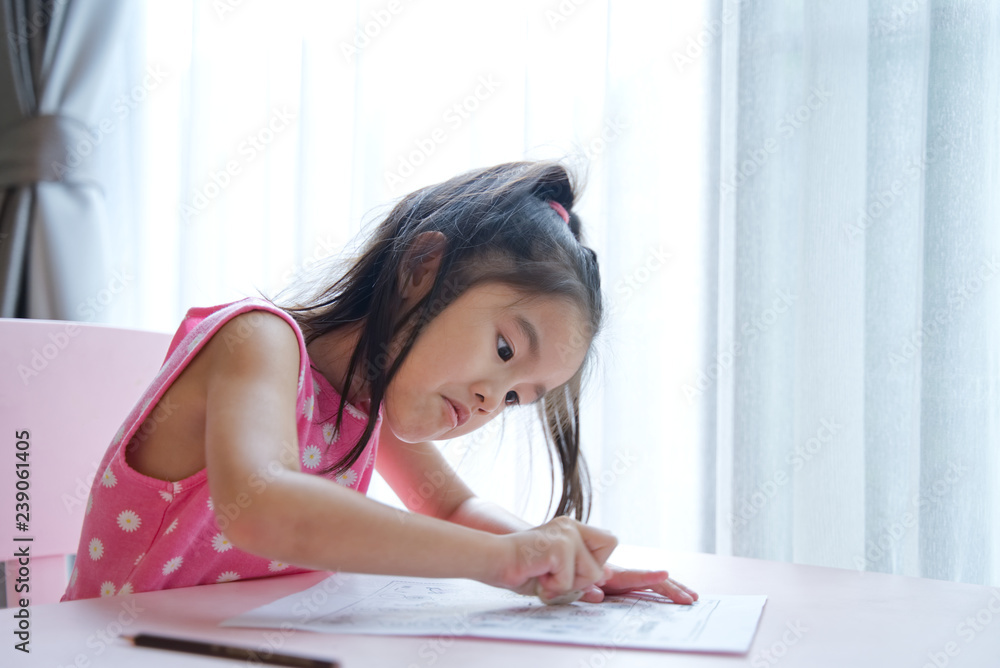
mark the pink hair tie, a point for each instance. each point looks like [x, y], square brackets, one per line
[560, 209]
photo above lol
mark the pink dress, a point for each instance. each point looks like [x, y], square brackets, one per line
[143, 534]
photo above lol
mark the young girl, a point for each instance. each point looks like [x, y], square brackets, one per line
[245, 456]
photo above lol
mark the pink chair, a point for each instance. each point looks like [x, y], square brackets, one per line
[65, 388]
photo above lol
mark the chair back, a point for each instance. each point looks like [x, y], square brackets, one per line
[65, 389]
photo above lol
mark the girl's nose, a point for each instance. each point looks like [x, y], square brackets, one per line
[484, 405]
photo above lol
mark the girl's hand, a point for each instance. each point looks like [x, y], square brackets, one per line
[555, 560]
[622, 581]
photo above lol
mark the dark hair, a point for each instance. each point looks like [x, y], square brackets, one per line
[499, 227]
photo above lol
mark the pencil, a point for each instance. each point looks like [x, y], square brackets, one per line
[227, 651]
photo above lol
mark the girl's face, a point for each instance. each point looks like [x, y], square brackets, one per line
[489, 349]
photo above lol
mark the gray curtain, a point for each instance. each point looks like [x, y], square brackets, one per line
[58, 129]
[858, 241]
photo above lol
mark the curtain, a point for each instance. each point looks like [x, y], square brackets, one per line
[64, 99]
[858, 320]
[794, 207]
[283, 130]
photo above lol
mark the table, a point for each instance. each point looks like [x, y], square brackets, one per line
[814, 616]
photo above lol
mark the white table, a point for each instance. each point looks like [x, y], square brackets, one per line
[815, 617]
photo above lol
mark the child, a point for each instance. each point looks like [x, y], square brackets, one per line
[245, 456]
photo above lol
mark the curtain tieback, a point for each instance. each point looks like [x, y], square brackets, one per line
[48, 148]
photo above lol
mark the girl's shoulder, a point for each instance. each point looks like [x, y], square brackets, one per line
[256, 333]
[201, 323]
[227, 346]
[251, 334]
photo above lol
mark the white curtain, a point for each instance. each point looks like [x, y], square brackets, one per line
[858, 323]
[280, 128]
[67, 88]
[777, 221]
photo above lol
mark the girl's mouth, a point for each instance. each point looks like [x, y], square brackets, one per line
[459, 413]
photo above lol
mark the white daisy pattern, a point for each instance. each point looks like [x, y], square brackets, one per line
[347, 478]
[172, 565]
[228, 576]
[329, 432]
[276, 566]
[355, 412]
[177, 488]
[108, 589]
[166, 496]
[194, 343]
[128, 521]
[139, 558]
[90, 503]
[221, 543]
[315, 386]
[126, 589]
[173, 525]
[211, 506]
[311, 457]
[307, 407]
[108, 479]
[96, 549]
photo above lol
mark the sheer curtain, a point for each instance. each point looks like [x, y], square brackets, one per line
[281, 130]
[67, 85]
[794, 205]
[858, 331]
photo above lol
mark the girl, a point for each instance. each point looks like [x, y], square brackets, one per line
[245, 456]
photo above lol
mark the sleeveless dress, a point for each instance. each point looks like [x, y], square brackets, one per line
[143, 534]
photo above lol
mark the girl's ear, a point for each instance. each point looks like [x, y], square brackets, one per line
[420, 265]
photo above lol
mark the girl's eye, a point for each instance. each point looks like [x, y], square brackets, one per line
[506, 352]
[503, 349]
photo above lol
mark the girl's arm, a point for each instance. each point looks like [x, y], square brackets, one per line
[284, 514]
[426, 483]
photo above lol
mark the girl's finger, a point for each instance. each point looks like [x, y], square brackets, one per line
[599, 543]
[675, 592]
[625, 581]
[593, 595]
[561, 599]
[693, 594]
[588, 569]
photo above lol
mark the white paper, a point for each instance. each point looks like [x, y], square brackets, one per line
[387, 605]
